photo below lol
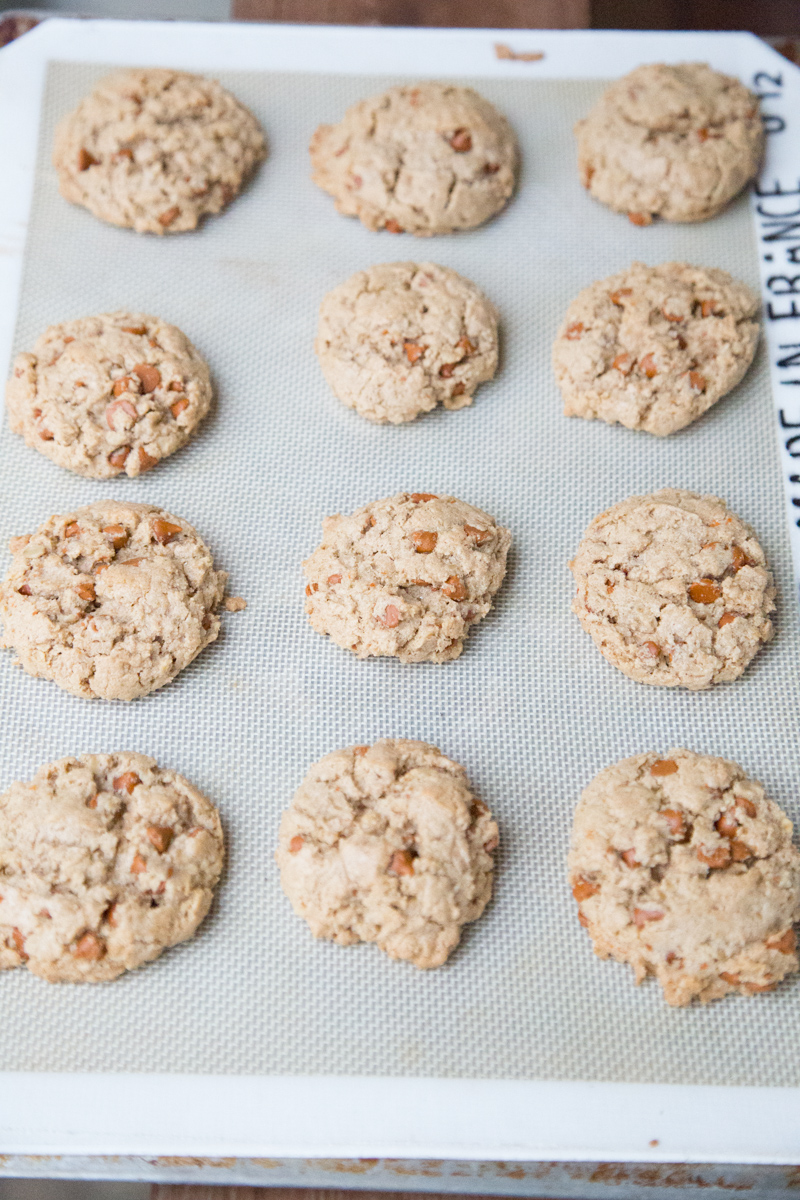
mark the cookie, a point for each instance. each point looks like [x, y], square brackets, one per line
[387, 844]
[112, 600]
[683, 868]
[406, 576]
[107, 394]
[105, 861]
[155, 150]
[674, 589]
[676, 142]
[425, 158]
[653, 347]
[399, 338]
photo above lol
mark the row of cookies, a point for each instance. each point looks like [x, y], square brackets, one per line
[114, 599]
[156, 150]
[681, 866]
[652, 348]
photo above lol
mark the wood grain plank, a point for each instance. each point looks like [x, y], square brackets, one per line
[502, 14]
[205, 1191]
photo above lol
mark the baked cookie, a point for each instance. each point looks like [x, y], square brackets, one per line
[653, 347]
[406, 576]
[112, 600]
[387, 844]
[155, 150]
[676, 142]
[106, 394]
[424, 158]
[105, 861]
[674, 589]
[683, 868]
[399, 338]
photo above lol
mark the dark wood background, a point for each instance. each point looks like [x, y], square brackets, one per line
[766, 17]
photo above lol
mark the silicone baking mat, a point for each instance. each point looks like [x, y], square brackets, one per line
[531, 709]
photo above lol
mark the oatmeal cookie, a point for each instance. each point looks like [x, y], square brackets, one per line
[674, 589]
[424, 158]
[683, 868]
[406, 576]
[387, 844]
[112, 600]
[107, 394]
[653, 347]
[105, 861]
[399, 338]
[676, 142]
[155, 150]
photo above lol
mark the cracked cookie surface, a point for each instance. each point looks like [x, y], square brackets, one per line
[155, 150]
[674, 589]
[387, 844]
[106, 394]
[677, 142]
[653, 348]
[406, 576]
[111, 600]
[105, 861]
[683, 868]
[399, 338]
[425, 158]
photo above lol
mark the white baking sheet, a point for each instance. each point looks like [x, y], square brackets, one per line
[530, 709]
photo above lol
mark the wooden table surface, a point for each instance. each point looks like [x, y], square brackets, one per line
[769, 18]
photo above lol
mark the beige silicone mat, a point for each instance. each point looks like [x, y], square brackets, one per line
[531, 708]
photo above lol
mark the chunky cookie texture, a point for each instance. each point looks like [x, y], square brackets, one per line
[425, 158]
[155, 150]
[674, 589]
[112, 600]
[105, 861]
[683, 868]
[676, 142]
[107, 394]
[399, 338]
[387, 844]
[406, 576]
[654, 347]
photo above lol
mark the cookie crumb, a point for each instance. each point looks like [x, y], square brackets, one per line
[501, 50]
[235, 603]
